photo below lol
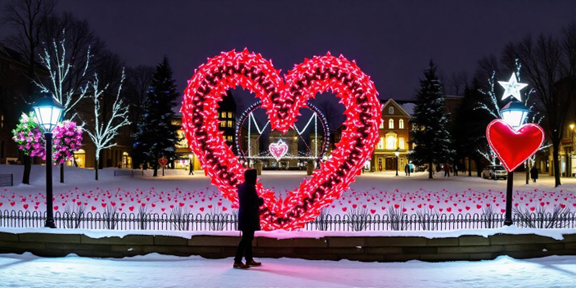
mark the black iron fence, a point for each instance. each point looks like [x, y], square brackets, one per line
[327, 222]
[6, 180]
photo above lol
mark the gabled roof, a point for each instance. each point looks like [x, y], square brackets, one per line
[396, 105]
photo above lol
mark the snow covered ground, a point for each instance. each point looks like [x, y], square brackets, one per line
[375, 193]
[156, 270]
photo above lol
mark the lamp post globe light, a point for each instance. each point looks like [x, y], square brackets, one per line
[514, 114]
[397, 153]
[48, 112]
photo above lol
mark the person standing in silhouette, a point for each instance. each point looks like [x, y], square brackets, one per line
[248, 219]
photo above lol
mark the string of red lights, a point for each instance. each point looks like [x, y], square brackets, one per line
[282, 100]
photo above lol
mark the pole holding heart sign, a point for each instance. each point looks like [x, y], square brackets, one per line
[512, 141]
[163, 161]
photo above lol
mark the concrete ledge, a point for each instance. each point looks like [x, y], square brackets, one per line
[365, 248]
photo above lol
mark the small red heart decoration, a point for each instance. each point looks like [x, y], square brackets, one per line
[282, 99]
[278, 150]
[511, 146]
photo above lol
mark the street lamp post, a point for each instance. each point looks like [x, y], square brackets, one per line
[514, 113]
[397, 153]
[48, 113]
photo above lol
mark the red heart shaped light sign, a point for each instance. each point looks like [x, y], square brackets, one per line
[282, 98]
[278, 150]
[512, 146]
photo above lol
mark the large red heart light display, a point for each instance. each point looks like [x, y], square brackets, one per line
[282, 100]
[511, 146]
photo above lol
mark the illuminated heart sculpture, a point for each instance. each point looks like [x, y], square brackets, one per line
[282, 100]
[511, 146]
[278, 150]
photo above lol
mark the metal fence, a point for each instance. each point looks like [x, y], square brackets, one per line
[229, 222]
[6, 180]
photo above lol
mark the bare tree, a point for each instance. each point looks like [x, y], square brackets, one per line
[457, 82]
[137, 86]
[545, 61]
[104, 129]
[61, 71]
[27, 17]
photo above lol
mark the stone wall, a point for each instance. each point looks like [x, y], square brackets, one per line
[384, 249]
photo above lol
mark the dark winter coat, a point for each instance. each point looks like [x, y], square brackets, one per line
[249, 210]
[534, 173]
[407, 168]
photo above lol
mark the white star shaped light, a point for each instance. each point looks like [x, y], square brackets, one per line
[512, 88]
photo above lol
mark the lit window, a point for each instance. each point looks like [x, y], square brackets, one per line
[391, 110]
[230, 124]
[229, 138]
[390, 142]
[222, 123]
[223, 115]
[381, 143]
[230, 115]
[382, 124]
[401, 124]
[391, 124]
[401, 143]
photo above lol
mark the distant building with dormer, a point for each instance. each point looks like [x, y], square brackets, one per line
[394, 136]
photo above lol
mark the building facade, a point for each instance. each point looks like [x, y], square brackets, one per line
[14, 84]
[394, 137]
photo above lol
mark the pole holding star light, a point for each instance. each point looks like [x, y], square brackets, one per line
[511, 140]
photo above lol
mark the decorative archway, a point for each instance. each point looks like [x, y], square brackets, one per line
[247, 116]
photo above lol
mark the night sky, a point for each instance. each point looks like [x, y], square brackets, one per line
[391, 40]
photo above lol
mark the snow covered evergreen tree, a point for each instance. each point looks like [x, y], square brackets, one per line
[431, 136]
[156, 135]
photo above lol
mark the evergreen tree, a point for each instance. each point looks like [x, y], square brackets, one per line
[156, 136]
[431, 136]
[469, 127]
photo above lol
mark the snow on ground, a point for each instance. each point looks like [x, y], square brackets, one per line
[156, 270]
[375, 193]
[557, 234]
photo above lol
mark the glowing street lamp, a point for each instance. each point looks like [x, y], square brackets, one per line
[514, 113]
[48, 112]
[397, 153]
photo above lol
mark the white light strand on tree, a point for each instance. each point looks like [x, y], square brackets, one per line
[104, 131]
[59, 73]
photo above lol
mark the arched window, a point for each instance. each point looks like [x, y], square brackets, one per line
[382, 124]
[401, 124]
[390, 142]
[391, 124]
[391, 110]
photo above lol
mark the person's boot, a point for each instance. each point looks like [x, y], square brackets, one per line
[240, 265]
[253, 263]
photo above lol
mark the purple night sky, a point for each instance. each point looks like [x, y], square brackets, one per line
[391, 40]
